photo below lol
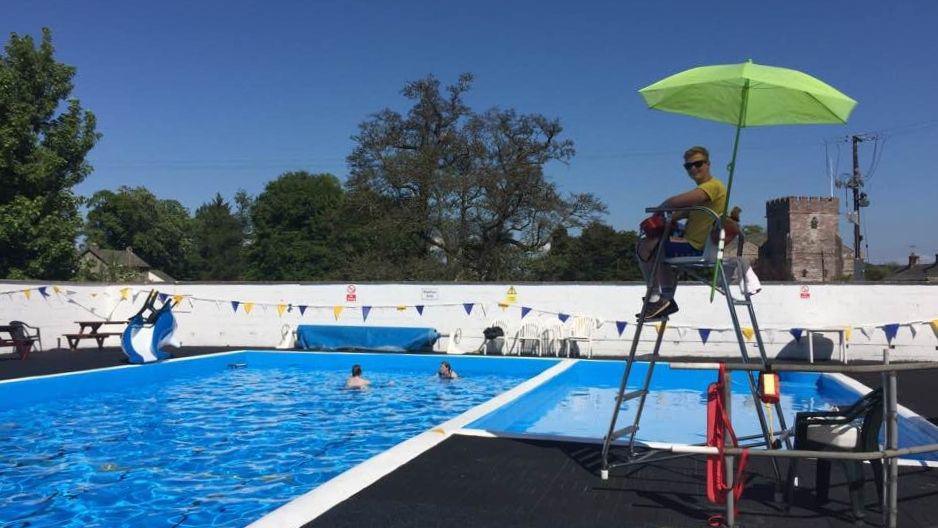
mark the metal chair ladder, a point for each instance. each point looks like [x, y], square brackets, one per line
[690, 265]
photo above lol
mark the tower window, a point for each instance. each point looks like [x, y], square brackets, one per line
[804, 273]
[814, 223]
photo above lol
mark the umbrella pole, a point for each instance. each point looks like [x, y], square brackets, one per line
[729, 184]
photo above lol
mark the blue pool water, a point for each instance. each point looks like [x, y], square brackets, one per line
[579, 403]
[196, 443]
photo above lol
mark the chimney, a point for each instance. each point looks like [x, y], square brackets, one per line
[913, 259]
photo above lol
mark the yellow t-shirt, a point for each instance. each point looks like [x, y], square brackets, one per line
[699, 223]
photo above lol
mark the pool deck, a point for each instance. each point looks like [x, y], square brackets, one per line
[471, 481]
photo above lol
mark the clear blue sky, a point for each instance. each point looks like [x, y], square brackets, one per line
[200, 97]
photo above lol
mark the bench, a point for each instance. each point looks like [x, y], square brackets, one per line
[17, 337]
[73, 339]
[20, 346]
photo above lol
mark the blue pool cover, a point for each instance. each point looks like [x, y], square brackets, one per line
[384, 338]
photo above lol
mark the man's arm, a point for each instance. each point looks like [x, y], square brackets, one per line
[688, 199]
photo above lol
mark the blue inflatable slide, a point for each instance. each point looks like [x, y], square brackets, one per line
[149, 331]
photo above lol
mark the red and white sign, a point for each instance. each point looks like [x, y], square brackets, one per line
[805, 292]
[350, 295]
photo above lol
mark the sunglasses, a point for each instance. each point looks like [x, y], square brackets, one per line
[695, 164]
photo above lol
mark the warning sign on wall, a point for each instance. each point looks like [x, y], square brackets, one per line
[512, 296]
[805, 292]
[350, 293]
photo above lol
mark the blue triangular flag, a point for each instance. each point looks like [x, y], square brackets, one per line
[525, 311]
[704, 334]
[563, 317]
[891, 331]
[162, 297]
[620, 326]
[42, 291]
[365, 311]
[468, 307]
[419, 308]
[234, 305]
[302, 308]
[796, 333]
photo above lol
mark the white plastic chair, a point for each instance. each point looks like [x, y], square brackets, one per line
[552, 339]
[506, 329]
[529, 332]
[580, 329]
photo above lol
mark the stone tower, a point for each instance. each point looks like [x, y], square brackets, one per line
[803, 243]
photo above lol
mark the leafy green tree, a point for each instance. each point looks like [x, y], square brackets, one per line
[600, 253]
[464, 193]
[44, 139]
[753, 229]
[294, 222]
[159, 231]
[218, 240]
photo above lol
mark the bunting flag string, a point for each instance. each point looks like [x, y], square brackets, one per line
[891, 330]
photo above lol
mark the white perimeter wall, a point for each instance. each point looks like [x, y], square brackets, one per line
[206, 317]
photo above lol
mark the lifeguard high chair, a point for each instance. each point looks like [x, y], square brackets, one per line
[698, 267]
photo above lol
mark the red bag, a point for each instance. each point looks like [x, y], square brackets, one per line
[653, 226]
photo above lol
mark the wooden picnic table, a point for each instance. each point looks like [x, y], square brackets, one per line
[20, 346]
[91, 330]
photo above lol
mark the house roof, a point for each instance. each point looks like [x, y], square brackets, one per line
[915, 272]
[124, 257]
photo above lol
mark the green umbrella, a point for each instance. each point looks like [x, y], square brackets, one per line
[746, 95]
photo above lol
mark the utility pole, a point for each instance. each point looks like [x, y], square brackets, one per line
[855, 182]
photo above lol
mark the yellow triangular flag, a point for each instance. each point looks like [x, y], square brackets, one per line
[26, 293]
[848, 331]
[934, 326]
[748, 332]
[401, 307]
[247, 307]
[124, 293]
[658, 327]
[56, 289]
[280, 309]
[177, 298]
[503, 305]
[337, 311]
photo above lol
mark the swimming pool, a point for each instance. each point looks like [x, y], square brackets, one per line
[578, 403]
[198, 443]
